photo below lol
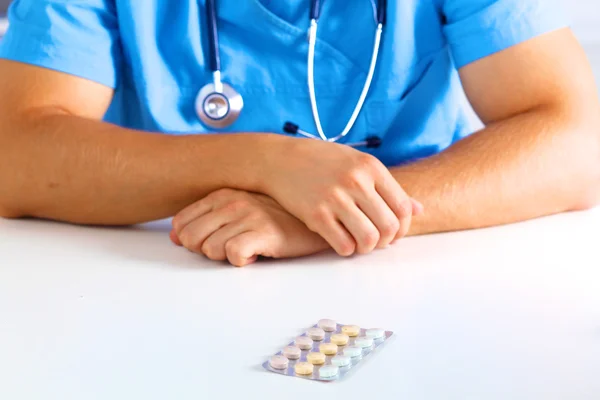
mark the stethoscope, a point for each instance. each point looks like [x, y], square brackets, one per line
[219, 105]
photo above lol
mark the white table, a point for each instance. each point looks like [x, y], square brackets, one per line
[505, 313]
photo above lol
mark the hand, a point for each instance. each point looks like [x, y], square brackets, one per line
[347, 197]
[239, 226]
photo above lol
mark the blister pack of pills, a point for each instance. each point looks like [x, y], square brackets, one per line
[327, 351]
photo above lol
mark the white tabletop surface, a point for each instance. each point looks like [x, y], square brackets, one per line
[504, 313]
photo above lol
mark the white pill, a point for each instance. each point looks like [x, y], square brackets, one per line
[328, 325]
[328, 371]
[304, 342]
[292, 352]
[316, 333]
[363, 342]
[352, 351]
[341, 361]
[375, 333]
[278, 362]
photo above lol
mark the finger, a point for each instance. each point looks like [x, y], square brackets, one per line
[397, 200]
[214, 246]
[334, 233]
[361, 228]
[244, 249]
[196, 232]
[190, 213]
[417, 207]
[380, 214]
[174, 238]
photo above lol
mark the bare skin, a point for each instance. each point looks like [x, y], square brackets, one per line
[59, 161]
[540, 154]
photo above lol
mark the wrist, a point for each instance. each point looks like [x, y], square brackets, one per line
[244, 161]
[267, 158]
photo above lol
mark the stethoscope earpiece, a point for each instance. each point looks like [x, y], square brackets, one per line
[371, 142]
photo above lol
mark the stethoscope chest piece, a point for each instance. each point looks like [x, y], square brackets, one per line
[219, 109]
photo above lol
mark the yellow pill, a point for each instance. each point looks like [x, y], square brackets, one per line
[304, 368]
[315, 358]
[340, 339]
[351, 330]
[328, 348]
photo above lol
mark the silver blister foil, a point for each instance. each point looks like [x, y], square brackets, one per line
[343, 371]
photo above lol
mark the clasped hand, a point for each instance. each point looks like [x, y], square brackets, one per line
[342, 199]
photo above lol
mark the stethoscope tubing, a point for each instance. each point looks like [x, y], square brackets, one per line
[217, 85]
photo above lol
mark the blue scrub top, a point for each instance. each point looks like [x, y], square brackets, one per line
[154, 53]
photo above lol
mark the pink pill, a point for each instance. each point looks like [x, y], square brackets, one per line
[304, 342]
[279, 362]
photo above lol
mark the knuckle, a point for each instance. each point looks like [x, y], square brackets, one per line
[332, 197]
[231, 247]
[346, 248]
[186, 238]
[176, 223]
[237, 205]
[405, 208]
[320, 213]
[370, 239]
[391, 227]
[211, 251]
[354, 179]
[319, 218]
[367, 161]
[190, 241]
[256, 214]
[234, 253]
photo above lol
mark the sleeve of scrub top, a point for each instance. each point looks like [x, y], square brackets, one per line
[78, 37]
[478, 28]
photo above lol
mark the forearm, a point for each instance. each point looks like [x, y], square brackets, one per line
[535, 164]
[77, 170]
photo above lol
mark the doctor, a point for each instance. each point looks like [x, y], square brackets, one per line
[116, 112]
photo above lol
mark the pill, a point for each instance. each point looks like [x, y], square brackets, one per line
[351, 330]
[375, 333]
[328, 348]
[328, 371]
[328, 325]
[278, 362]
[353, 351]
[292, 352]
[304, 342]
[315, 358]
[303, 368]
[340, 339]
[363, 342]
[341, 361]
[316, 333]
